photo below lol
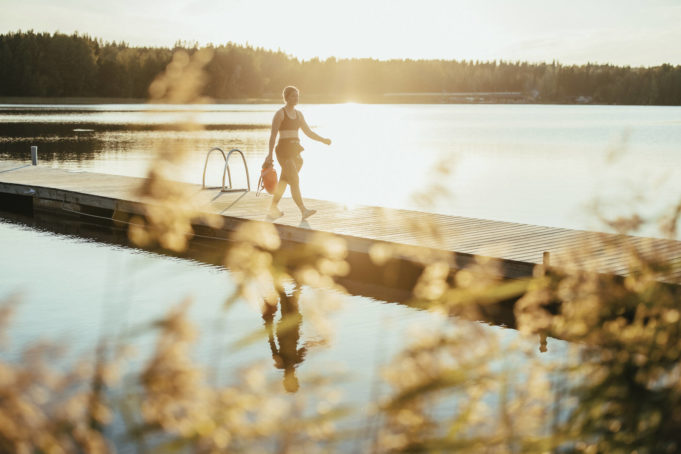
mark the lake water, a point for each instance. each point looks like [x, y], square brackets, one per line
[532, 164]
[535, 164]
[75, 291]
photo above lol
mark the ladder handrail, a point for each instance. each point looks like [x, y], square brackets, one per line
[205, 166]
[226, 171]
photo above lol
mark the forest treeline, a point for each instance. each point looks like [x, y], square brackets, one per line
[58, 65]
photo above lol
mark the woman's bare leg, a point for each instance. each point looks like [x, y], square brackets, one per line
[289, 175]
[275, 212]
[291, 172]
[278, 192]
[295, 191]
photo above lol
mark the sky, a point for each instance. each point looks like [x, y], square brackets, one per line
[621, 32]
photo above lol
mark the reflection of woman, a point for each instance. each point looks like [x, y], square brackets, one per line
[287, 355]
[286, 122]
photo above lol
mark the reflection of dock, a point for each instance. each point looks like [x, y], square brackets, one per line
[515, 248]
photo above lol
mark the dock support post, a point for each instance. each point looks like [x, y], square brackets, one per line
[34, 155]
[546, 262]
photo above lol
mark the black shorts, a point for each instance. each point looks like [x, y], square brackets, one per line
[288, 149]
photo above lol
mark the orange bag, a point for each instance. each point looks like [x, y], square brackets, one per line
[268, 180]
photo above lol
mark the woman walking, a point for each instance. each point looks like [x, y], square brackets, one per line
[286, 122]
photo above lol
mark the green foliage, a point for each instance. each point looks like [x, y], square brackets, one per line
[58, 65]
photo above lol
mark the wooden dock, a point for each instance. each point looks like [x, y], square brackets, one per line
[515, 248]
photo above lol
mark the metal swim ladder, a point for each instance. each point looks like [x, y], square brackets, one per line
[226, 171]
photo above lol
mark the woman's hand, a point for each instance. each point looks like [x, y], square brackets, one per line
[268, 161]
[326, 141]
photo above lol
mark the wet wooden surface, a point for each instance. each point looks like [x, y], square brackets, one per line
[520, 246]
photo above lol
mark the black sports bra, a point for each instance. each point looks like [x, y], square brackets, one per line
[290, 124]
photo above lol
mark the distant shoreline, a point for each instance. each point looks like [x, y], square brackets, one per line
[35, 70]
[392, 98]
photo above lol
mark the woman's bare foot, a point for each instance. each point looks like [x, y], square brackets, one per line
[307, 213]
[275, 213]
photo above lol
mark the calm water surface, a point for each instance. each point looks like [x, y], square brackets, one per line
[532, 164]
[536, 164]
[77, 291]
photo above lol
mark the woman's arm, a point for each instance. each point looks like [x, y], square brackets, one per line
[276, 122]
[308, 132]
